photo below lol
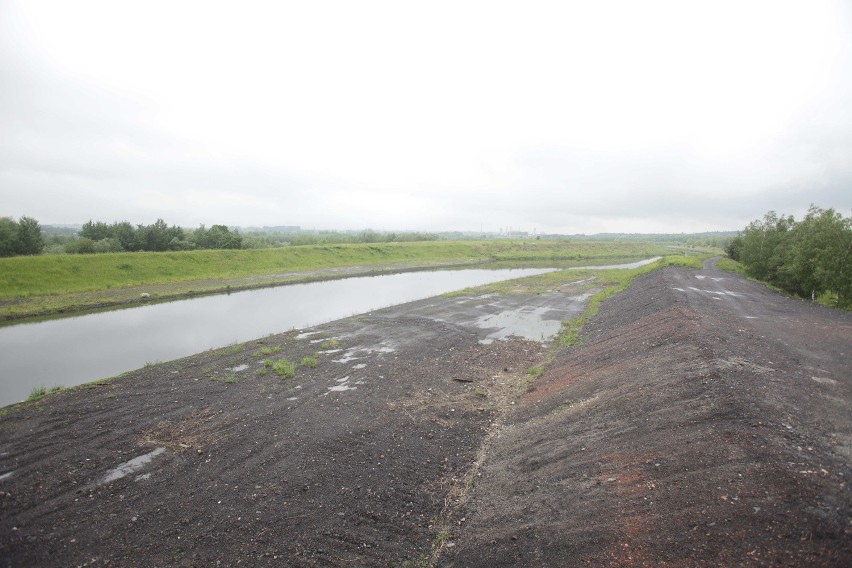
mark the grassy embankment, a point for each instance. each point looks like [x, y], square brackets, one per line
[39, 285]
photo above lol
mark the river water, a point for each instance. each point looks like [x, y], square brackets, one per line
[71, 351]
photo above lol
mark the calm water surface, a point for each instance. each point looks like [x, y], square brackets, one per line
[76, 350]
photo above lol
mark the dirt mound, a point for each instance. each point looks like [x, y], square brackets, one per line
[705, 421]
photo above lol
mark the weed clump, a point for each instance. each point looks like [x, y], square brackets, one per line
[284, 368]
[329, 344]
[37, 393]
[267, 350]
[40, 392]
[309, 361]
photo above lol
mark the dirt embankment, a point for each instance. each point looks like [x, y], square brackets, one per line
[704, 421]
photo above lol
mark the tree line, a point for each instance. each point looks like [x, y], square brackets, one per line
[25, 237]
[811, 257]
[97, 236]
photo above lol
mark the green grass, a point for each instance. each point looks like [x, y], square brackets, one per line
[284, 368]
[535, 372]
[39, 393]
[230, 379]
[309, 361]
[329, 344]
[26, 276]
[267, 350]
[731, 266]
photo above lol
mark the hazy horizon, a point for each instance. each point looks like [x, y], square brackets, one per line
[554, 117]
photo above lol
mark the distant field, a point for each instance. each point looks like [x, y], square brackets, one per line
[22, 277]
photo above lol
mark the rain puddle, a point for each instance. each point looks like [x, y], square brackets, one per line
[343, 385]
[131, 466]
[524, 322]
[6, 475]
[612, 266]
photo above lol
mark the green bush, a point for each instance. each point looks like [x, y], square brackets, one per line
[811, 258]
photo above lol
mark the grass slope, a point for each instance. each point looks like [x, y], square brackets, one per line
[22, 277]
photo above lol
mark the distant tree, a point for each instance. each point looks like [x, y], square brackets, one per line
[8, 236]
[82, 245]
[107, 245]
[96, 230]
[733, 248]
[159, 236]
[30, 239]
[126, 235]
[216, 237]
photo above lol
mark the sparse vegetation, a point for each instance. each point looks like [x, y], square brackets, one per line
[612, 281]
[37, 393]
[309, 361]
[329, 344]
[534, 372]
[284, 368]
[40, 392]
[267, 350]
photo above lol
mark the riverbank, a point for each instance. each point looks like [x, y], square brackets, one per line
[49, 285]
[700, 420]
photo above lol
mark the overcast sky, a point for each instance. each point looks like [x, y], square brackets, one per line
[570, 117]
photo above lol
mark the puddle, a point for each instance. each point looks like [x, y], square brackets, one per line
[143, 477]
[820, 380]
[238, 368]
[611, 266]
[524, 322]
[348, 356]
[700, 277]
[343, 385]
[359, 366]
[306, 334]
[130, 466]
[6, 475]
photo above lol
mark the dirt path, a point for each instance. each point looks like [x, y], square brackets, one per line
[706, 421]
[687, 430]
